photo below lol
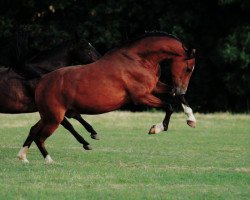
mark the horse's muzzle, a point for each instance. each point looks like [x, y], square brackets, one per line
[178, 91]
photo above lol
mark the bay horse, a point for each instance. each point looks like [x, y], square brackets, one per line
[129, 73]
[18, 90]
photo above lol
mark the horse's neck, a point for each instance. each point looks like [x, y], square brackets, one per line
[145, 57]
[157, 49]
[51, 59]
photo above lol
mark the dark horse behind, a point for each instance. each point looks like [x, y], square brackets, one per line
[17, 82]
[126, 74]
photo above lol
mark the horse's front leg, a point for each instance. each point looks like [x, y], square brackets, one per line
[163, 126]
[162, 88]
[191, 121]
[152, 101]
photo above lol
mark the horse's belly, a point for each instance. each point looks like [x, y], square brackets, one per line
[97, 104]
[92, 94]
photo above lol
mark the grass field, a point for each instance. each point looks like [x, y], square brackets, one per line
[211, 161]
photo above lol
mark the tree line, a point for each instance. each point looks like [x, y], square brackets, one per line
[219, 30]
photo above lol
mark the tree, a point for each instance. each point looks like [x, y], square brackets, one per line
[219, 30]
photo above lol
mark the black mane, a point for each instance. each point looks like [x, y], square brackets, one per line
[159, 33]
[51, 51]
[152, 34]
[188, 50]
[23, 65]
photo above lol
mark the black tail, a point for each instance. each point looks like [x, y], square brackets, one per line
[19, 54]
[18, 49]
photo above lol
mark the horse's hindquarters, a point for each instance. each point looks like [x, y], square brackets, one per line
[15, 97]
[13, 104]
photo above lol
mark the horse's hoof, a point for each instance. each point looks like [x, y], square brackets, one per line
[191, 123]
[157, 129]
[152, 130]
[87, 147]
[25, 160]
[48, 160]
[94, 136]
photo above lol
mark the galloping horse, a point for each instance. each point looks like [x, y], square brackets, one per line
[129, 73]
[17, 93]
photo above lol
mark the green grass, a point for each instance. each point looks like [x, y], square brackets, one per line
[211, 161]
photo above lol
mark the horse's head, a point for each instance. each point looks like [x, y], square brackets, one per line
[83, 52]
[181, 69]
[156, 47]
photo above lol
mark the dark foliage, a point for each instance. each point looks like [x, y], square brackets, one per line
[219, 30]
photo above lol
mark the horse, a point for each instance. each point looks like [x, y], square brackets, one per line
[18, 89]
[129, 73]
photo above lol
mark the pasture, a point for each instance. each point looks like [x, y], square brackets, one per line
[211, 161]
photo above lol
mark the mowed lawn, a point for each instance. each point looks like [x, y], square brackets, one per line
[211, 161]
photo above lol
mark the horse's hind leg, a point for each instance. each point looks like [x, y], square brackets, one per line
[46, 131]
[22, 155]
[66, 124]
[87, 126]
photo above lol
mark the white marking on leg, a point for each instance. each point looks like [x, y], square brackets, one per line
[48, 160]
[22, 155]
[159, 128]
[156, 128]
[189, 112]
